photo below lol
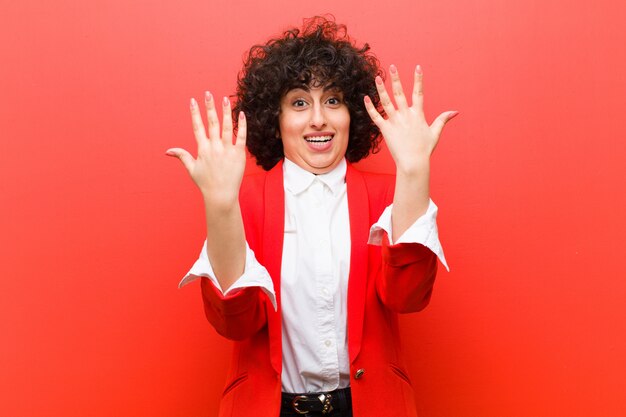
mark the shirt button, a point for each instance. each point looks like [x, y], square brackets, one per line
[327, 343]
[359, 373]
[325, 291]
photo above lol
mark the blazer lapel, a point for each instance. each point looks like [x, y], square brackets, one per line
[273, 233]
[358, 206]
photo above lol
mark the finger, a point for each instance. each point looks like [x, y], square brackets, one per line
[241, 130]
[396, 88]
[184, 156]
[441, 121]
[196, 121]
[384, 97]
[227, 122]
[373, 113]
[418, 92]
[211, 115]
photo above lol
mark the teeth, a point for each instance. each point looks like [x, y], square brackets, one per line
[318, 138]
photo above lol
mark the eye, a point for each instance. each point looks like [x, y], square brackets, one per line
[299, 103]
[334, 101]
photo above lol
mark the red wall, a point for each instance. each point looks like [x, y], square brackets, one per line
[97, 225]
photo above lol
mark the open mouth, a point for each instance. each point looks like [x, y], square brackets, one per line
[318, 139]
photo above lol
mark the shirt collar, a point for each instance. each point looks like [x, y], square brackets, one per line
[298, 179]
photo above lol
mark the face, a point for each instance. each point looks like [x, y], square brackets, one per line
[314, 127]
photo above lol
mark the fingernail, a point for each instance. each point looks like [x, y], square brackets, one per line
[454, 114]
[368, 100]
[207, 96]
[193, 103]
[393, 69]
[226, 101]
[241, 115]
[418, 69]
[379, 80]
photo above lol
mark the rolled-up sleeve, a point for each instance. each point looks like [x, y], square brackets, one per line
[254, 275]
[424, 231]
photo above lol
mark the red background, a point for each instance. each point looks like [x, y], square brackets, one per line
[98, 226]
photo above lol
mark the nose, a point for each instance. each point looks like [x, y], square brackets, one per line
[318, 119]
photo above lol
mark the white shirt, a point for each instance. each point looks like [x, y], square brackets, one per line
[314, 275]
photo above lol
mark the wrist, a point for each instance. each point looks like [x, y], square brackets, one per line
[416, 167]
[222, 202]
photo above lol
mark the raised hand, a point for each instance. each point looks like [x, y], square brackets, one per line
[219, 167]
[407, 134]
[411, 142]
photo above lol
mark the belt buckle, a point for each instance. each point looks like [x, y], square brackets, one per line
[325, 399]
[294, 403]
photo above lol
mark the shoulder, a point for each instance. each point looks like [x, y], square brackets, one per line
[253, 184]
[258, 189]
[375, 179]
[378, 185]
[252, 196]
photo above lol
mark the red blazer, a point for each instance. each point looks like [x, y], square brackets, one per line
[383, 282]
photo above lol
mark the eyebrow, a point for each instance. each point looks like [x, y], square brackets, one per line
[326, 88]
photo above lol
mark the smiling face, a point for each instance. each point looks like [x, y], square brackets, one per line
[314, 126]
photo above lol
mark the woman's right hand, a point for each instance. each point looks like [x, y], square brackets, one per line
[219, 167]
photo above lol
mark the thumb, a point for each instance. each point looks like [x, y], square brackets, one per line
[184, 156]
[441, 121]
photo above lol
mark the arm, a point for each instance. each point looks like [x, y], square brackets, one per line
[411, 142]
[409, 269]
[218, 172]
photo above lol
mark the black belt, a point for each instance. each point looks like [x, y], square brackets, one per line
[321, 402]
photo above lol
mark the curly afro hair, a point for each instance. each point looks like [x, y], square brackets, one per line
[321, 54]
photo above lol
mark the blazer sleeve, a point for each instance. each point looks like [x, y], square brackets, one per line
[236, 316]
[407, 276]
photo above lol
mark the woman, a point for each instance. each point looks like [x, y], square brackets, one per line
[311, 306]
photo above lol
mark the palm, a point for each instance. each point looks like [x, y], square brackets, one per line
[407, 134]
[220, 164]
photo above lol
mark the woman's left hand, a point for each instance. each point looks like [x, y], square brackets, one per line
[407, 134]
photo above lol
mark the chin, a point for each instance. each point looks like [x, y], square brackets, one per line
[322, 167]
